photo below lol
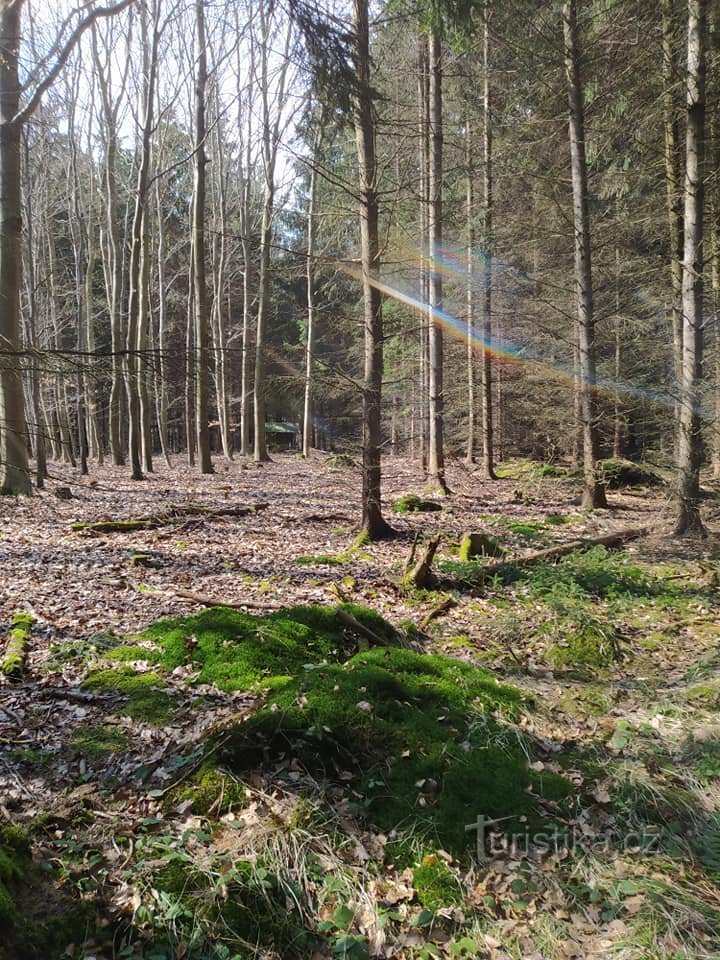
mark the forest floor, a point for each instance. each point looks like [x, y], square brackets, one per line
[222, 787]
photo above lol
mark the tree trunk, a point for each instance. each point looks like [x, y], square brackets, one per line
[310, 282]
[373, 522]
[436, 454]
[31, 285]
[470, 290]
[423, 214]
[14, 467]
[161, 392]
[487, 405]
[690, 438]
[198, 229]
[673, 191]
[137, 287]
[593, 491]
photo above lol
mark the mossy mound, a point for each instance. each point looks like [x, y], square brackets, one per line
[426, 742]
[412, 503]
[420, 735]
[237, 651]
[341, 460]
[548, 470]
[616, 473]
[146, 700]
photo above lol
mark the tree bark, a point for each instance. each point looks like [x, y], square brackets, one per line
[593, 491]
[470, 342]
[372, 522]
[310, 283]
[673, 192]
[436, 453]
[14, 467]
[487, 404]
[690, 438]
[198, 229]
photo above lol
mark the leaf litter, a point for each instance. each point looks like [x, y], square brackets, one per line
[628, 736]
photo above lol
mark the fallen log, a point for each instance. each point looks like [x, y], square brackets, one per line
[616, 539]
[13, 660]
[175, 513]
[219, 602]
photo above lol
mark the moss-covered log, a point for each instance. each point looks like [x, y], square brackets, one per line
[175, 513]
[13, 660]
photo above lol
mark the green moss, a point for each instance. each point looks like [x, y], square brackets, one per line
[211, 790]
[435, 884]
[417, 730]
[98, 741]
[475, 545]
[706, 693]
[363, 539]
[178, 876]
[126, 653]
[146, 699]
[548, 470]
[241, 652]
[412, 503]
[322, 560]
[423, 735]
[596, 572]
[13, 660]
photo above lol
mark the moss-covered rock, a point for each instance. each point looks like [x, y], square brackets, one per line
[412, 503]
[425, 738]
[415, 730]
